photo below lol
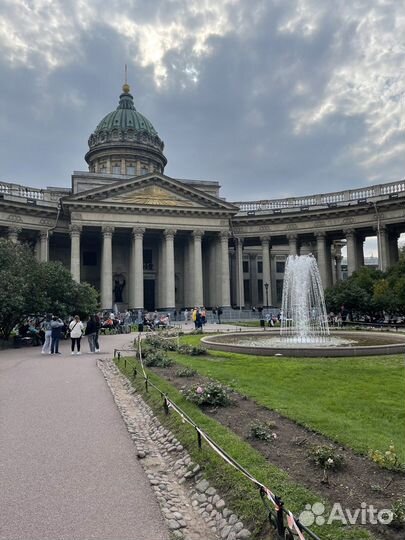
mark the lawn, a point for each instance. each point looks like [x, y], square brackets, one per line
[241, 496]
[359, 402]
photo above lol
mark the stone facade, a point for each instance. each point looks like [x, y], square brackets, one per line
[147, 241]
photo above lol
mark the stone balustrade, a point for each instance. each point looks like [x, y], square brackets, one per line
[334, 198]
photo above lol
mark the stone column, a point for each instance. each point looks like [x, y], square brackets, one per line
[337, 251]
[240, 291]
[266, 270]
[106, 268]
[136, 268]
[225, 277]
[360, 250]
[44, 249]
[383, 248]
[351, 251]
[393, 247]
[323, 259]
[170, 294]
[13, 233]
[75, 231]
[253, 279]
[198, 297]
[293, 244]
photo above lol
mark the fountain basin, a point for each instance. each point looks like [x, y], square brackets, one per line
[268, 343]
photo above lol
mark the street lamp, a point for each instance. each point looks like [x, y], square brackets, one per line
[266, 286]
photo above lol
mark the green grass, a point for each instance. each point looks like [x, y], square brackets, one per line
[359, 402]
[241, 496]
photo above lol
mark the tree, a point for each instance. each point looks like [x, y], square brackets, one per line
[30, 288]
[370, 291]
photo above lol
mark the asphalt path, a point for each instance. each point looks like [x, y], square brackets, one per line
[68, 469]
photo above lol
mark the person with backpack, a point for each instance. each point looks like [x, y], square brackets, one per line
[91, 333]
[76, 331]
[56, 333]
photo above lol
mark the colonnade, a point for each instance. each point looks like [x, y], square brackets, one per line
[193, 272]
[326, 245]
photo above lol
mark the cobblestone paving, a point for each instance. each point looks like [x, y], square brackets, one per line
[193, 509]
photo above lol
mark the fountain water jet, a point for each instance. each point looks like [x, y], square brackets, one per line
[304, 318]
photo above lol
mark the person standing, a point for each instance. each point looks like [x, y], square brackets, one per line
[47, 328]
[186, 315]
[98, 326]
[56, 332]
[76, 331]
[90, 332]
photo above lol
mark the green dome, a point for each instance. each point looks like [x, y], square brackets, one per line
[125, 117]
[125, 125]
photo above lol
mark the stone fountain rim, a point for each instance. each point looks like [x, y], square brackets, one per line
[330, 352]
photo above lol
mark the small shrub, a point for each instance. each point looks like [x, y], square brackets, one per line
[388, 459]
[210, 394]
[262, 431]
[157, 359]
[326, 457]
[398, 511]
[186, 372]
[191, 350]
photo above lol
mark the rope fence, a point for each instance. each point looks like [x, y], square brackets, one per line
[285, 523]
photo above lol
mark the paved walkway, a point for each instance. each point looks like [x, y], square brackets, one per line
[68, 469]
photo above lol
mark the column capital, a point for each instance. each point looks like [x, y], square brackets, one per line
[198, 233]
[75, 230]
[138, 231]
[44, 234]
[107, 230]
[240, 240]
[224, 235]
[169, 233]
[382, 228]
[264, 239]
[349, 232]
[14, 230]
[320, 234]
[292, 236]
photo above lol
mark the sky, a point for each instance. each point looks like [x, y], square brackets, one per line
[271, 98]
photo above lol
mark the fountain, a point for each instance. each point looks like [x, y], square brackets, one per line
[304, 324]
[304, 318]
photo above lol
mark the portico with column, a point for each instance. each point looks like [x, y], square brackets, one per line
[324, 259]
[136, 300]
[106, 267]
[267, 290]
[75, 232]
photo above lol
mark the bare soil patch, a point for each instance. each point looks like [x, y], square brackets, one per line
[360, 481]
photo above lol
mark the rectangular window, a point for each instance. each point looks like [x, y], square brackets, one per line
[89, 258]
[279, 290]
[246, 290]
[245, 265]
[116, 169]
[280, 267]
[260, 267]
[130, 169]
[260, 291]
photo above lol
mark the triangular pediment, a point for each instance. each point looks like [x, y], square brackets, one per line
[153, 191]
[152, 195]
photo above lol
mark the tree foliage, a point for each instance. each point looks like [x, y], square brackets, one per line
[370, 291]
[28, 288]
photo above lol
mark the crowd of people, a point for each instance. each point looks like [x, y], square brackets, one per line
[48, 331]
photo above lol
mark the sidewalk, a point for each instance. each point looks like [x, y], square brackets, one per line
[68, 468]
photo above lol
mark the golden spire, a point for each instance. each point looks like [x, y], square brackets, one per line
[125, 87]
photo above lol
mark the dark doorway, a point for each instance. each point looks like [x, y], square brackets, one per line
[149, 294]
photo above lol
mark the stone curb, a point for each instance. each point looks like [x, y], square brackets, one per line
[192, 508]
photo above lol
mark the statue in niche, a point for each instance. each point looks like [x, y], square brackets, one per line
[119, 284]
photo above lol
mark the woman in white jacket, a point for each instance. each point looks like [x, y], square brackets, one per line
[76, 331]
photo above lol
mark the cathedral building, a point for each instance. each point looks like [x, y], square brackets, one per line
[148, 241]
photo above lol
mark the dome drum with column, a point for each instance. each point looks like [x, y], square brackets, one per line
[125, 136]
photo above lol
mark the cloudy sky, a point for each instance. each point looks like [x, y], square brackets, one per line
[270, 97]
